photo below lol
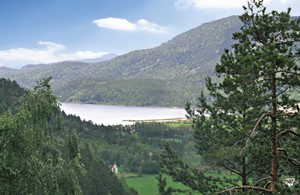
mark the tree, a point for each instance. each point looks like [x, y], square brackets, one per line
[10, 93]
[271, 38]
[252, 108]
[73, 168]
[31, 160]
[99, 179]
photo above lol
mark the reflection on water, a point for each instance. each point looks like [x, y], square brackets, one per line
[114, 115]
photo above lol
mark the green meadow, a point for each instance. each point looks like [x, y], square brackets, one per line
[147, 185]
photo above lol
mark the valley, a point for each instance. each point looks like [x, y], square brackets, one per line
[121, 98]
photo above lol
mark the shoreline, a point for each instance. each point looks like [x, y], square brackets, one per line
[158, 120]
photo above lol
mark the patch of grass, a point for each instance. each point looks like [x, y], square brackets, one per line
[147, 185]
[179, 124]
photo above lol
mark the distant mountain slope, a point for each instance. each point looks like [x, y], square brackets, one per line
[168, 75]
[6, 72]
[100, 59]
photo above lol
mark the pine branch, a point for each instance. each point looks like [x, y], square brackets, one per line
[291, 160]
[239, 141]
[217, 180]
[261, 180]
[282, 91]
[249, 172]
[288, 72]
[230, 169]
[245, 187]
[253, 131]
[287, 42]
[232, 164]
[288, 132]
[287, 82]
[256, 31]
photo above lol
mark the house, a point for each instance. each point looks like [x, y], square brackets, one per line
[114, 169]
[290, 181]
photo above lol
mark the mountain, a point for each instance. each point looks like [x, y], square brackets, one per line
[168, 75]
[100, 59]
[6, 72]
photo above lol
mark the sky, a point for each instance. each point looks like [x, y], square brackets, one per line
[46, 31]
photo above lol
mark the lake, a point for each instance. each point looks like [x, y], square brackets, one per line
[114, 115]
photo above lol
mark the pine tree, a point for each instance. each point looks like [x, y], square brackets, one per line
[252, 108]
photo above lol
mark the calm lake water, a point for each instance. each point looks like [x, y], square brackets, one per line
[114, 115]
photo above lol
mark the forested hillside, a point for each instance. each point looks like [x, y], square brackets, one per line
[135, 149]
[10, 93]
[40, 154]
[168, 75]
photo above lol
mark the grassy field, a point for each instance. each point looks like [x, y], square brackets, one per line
[147, 185]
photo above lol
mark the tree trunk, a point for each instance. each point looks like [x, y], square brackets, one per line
[244, 172]
[274, 173]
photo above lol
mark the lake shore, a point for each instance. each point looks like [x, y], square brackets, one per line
[123, 115]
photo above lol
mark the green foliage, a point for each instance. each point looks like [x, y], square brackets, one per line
[250, 109]
[10, 93]
[133, 148]
[30, 158]
[99, 179]
[40, 153]
[73, 168]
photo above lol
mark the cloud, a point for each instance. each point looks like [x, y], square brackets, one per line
[217, 4]
[124, 25]
[48, 52]
[115, 24]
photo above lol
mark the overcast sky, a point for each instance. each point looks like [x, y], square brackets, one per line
[44, 31]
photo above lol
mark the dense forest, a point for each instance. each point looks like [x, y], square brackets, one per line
[136, 148]
[42, 155]
[10, 94]
[88, 150]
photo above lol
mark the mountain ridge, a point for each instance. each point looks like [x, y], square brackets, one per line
[170, 74]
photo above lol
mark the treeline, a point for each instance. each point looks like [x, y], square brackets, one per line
[137, 92]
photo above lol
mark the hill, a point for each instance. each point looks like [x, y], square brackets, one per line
[16, 139]
[168, 75]
[136, 149]
[100, 59]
